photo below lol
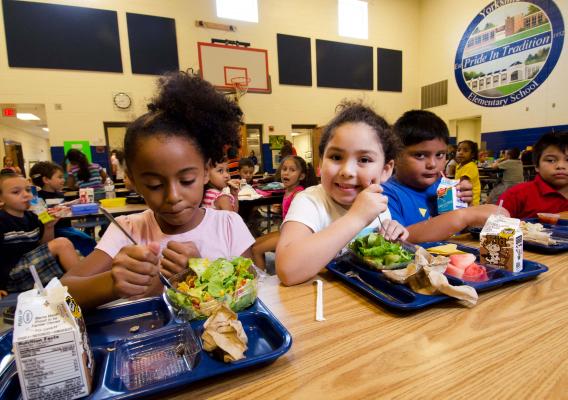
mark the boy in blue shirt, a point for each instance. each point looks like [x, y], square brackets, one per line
[418, 171]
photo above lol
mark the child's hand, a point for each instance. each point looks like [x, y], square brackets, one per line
[465, 191]
[234, 186]
[369, 203]
[176, 256]
[477, 216]
[392, 230]
[3, 293]
[134, 269]
[54, 214]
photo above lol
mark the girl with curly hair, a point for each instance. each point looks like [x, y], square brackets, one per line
[357, 151]
[168, 153]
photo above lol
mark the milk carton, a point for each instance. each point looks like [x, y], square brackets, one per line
[86, 195]
[501, 243]
[448, 196]
[51, 347]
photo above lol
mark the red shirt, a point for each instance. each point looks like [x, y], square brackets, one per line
[527, 199]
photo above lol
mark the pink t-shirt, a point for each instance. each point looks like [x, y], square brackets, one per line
[220, 234]
[211, 195]
[287, 200]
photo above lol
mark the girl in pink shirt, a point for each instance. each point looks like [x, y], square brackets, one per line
[168, 151]
[214, 196]
[296, 175]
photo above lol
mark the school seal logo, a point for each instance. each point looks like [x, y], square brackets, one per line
[508, 51]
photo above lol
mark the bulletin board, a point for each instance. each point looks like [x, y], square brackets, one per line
[220, 63]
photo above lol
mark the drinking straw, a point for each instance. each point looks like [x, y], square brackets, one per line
[37, 280]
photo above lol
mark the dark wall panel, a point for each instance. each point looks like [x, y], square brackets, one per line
[294, 60]
[342, 65]
[389, 70]
[153, 44]
[40, 35]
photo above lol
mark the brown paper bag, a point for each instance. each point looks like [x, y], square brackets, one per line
[225, 333]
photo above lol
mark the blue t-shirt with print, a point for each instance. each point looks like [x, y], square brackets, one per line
[409, 206]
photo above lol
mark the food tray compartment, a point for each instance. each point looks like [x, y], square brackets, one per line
[120, 321]
[268, 340]
[406, 299]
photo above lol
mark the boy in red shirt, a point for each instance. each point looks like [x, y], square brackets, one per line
[548, 192]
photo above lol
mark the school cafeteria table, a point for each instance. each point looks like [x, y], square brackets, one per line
[512, 344]
[115, 211]
[246, 207]
[74, 194]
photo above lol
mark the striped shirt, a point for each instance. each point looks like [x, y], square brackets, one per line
[17, 237]
[95, 180]
[211, 195]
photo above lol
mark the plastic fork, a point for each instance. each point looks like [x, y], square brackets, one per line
[355, 275]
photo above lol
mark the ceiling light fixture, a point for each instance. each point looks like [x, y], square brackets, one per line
[27, 117]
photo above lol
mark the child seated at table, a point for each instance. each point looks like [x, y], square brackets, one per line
[357, 150]
[512, 168]
[466, 169]
[412, 191]
[214, 196]
[296, 176]
[25, 241]
[548, 191]
[49, 177]
[246, 170]
[188, 124]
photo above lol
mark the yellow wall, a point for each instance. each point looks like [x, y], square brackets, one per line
[443, 24]
[34, 148]
[86, 97]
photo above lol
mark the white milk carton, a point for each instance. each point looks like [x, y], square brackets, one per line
[501, 243]
[51, 347]
[447, 193]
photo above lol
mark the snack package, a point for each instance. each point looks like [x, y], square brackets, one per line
[448, 196]
[86, 195]
[501, 243]
[224, 334]
[51, 346]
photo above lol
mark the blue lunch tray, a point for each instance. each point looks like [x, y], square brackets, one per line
[558, 231]
[402, 298]
[268, 339]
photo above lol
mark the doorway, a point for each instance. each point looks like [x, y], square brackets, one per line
[302, 140]
[13, 150]
[254, 144]
[467, 129]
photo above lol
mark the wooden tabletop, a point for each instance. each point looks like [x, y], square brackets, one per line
[512, 344]
[115, 211]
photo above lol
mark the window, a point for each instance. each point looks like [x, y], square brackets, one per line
[353, 18]
[242, 10]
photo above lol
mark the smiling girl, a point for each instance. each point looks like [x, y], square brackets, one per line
[168, 151]
[357, 149]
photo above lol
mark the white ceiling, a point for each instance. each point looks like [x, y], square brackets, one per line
[31, 127]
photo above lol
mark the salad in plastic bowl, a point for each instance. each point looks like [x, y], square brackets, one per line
[197, 291]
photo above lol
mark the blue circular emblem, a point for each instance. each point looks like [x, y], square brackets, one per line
[508, 51]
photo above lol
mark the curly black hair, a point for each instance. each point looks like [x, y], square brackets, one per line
[354, 112]
[473, 147]
[191, 108]
[43, 169]
[417, 126]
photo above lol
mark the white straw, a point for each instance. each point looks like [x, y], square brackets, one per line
[37, 280]
[500, 207]
[319, 300]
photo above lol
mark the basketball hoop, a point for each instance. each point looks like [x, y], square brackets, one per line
[241, 85]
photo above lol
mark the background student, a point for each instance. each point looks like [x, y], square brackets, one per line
[175, 228]
[513, 174]
[296, 176]
[24, 240]
[49, 177]
[466, 156]
[412, 191]
[219, 179]
[83, 174]
[246, 170]
[548, 191]
[357, 150]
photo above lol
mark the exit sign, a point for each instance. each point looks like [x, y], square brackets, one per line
[9, 112]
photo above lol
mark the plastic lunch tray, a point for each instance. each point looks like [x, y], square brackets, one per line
[560, 230]
[402, 298]
[267, 340]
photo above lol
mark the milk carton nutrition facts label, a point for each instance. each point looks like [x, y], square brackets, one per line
[51, 366]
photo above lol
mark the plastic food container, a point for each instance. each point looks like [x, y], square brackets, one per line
[116, 202]
[84, 209]
[156, 356]
[547, 218]
[242, 298]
